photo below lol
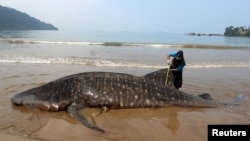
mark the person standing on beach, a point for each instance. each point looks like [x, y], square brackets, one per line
[176, 67]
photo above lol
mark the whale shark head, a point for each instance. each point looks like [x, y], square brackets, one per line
[26, 98]
[54, 96]
[35, 98]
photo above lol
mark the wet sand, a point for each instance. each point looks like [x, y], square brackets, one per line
[169, 123]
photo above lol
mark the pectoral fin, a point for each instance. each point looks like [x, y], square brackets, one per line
[74, 111]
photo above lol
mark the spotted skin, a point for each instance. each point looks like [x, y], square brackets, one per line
[110, 90]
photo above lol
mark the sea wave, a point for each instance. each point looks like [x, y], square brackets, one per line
[114, 44]
[121, 44]
[110, 63]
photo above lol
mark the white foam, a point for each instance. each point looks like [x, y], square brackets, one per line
[108, 63]
[54, 42]
[14, 41]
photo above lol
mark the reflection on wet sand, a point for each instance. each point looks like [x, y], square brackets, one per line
[135, 123]
[173, 123]
[132, 124]
[167, 116]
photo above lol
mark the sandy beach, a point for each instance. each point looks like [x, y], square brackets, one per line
[169, 123]
[41, 42]
[27, 63]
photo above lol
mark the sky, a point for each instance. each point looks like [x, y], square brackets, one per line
[172, 16]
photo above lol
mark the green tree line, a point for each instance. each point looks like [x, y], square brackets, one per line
[237, 31]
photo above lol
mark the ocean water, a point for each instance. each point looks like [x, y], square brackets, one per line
[121, 49]
[216, 65]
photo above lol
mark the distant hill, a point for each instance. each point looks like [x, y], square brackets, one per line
[11, 19]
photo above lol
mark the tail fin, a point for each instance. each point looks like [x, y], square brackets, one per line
[237, 99]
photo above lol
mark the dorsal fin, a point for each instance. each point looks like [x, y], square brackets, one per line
[160, 76]
[206, 96]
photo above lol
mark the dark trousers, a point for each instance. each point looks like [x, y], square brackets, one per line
[177, 79]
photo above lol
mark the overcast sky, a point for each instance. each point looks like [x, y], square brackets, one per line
[173, 16]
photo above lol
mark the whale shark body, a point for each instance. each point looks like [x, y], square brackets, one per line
[109, 90]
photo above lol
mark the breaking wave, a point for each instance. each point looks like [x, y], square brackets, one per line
[120, 44]
[110, 63]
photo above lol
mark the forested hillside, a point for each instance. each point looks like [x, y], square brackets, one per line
[11, 19]
[237, 31]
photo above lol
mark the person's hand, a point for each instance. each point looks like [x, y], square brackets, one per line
[168, 62]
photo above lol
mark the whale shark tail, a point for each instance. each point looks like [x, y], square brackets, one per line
[237, 99]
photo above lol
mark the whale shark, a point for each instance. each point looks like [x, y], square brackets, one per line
[110, 90]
